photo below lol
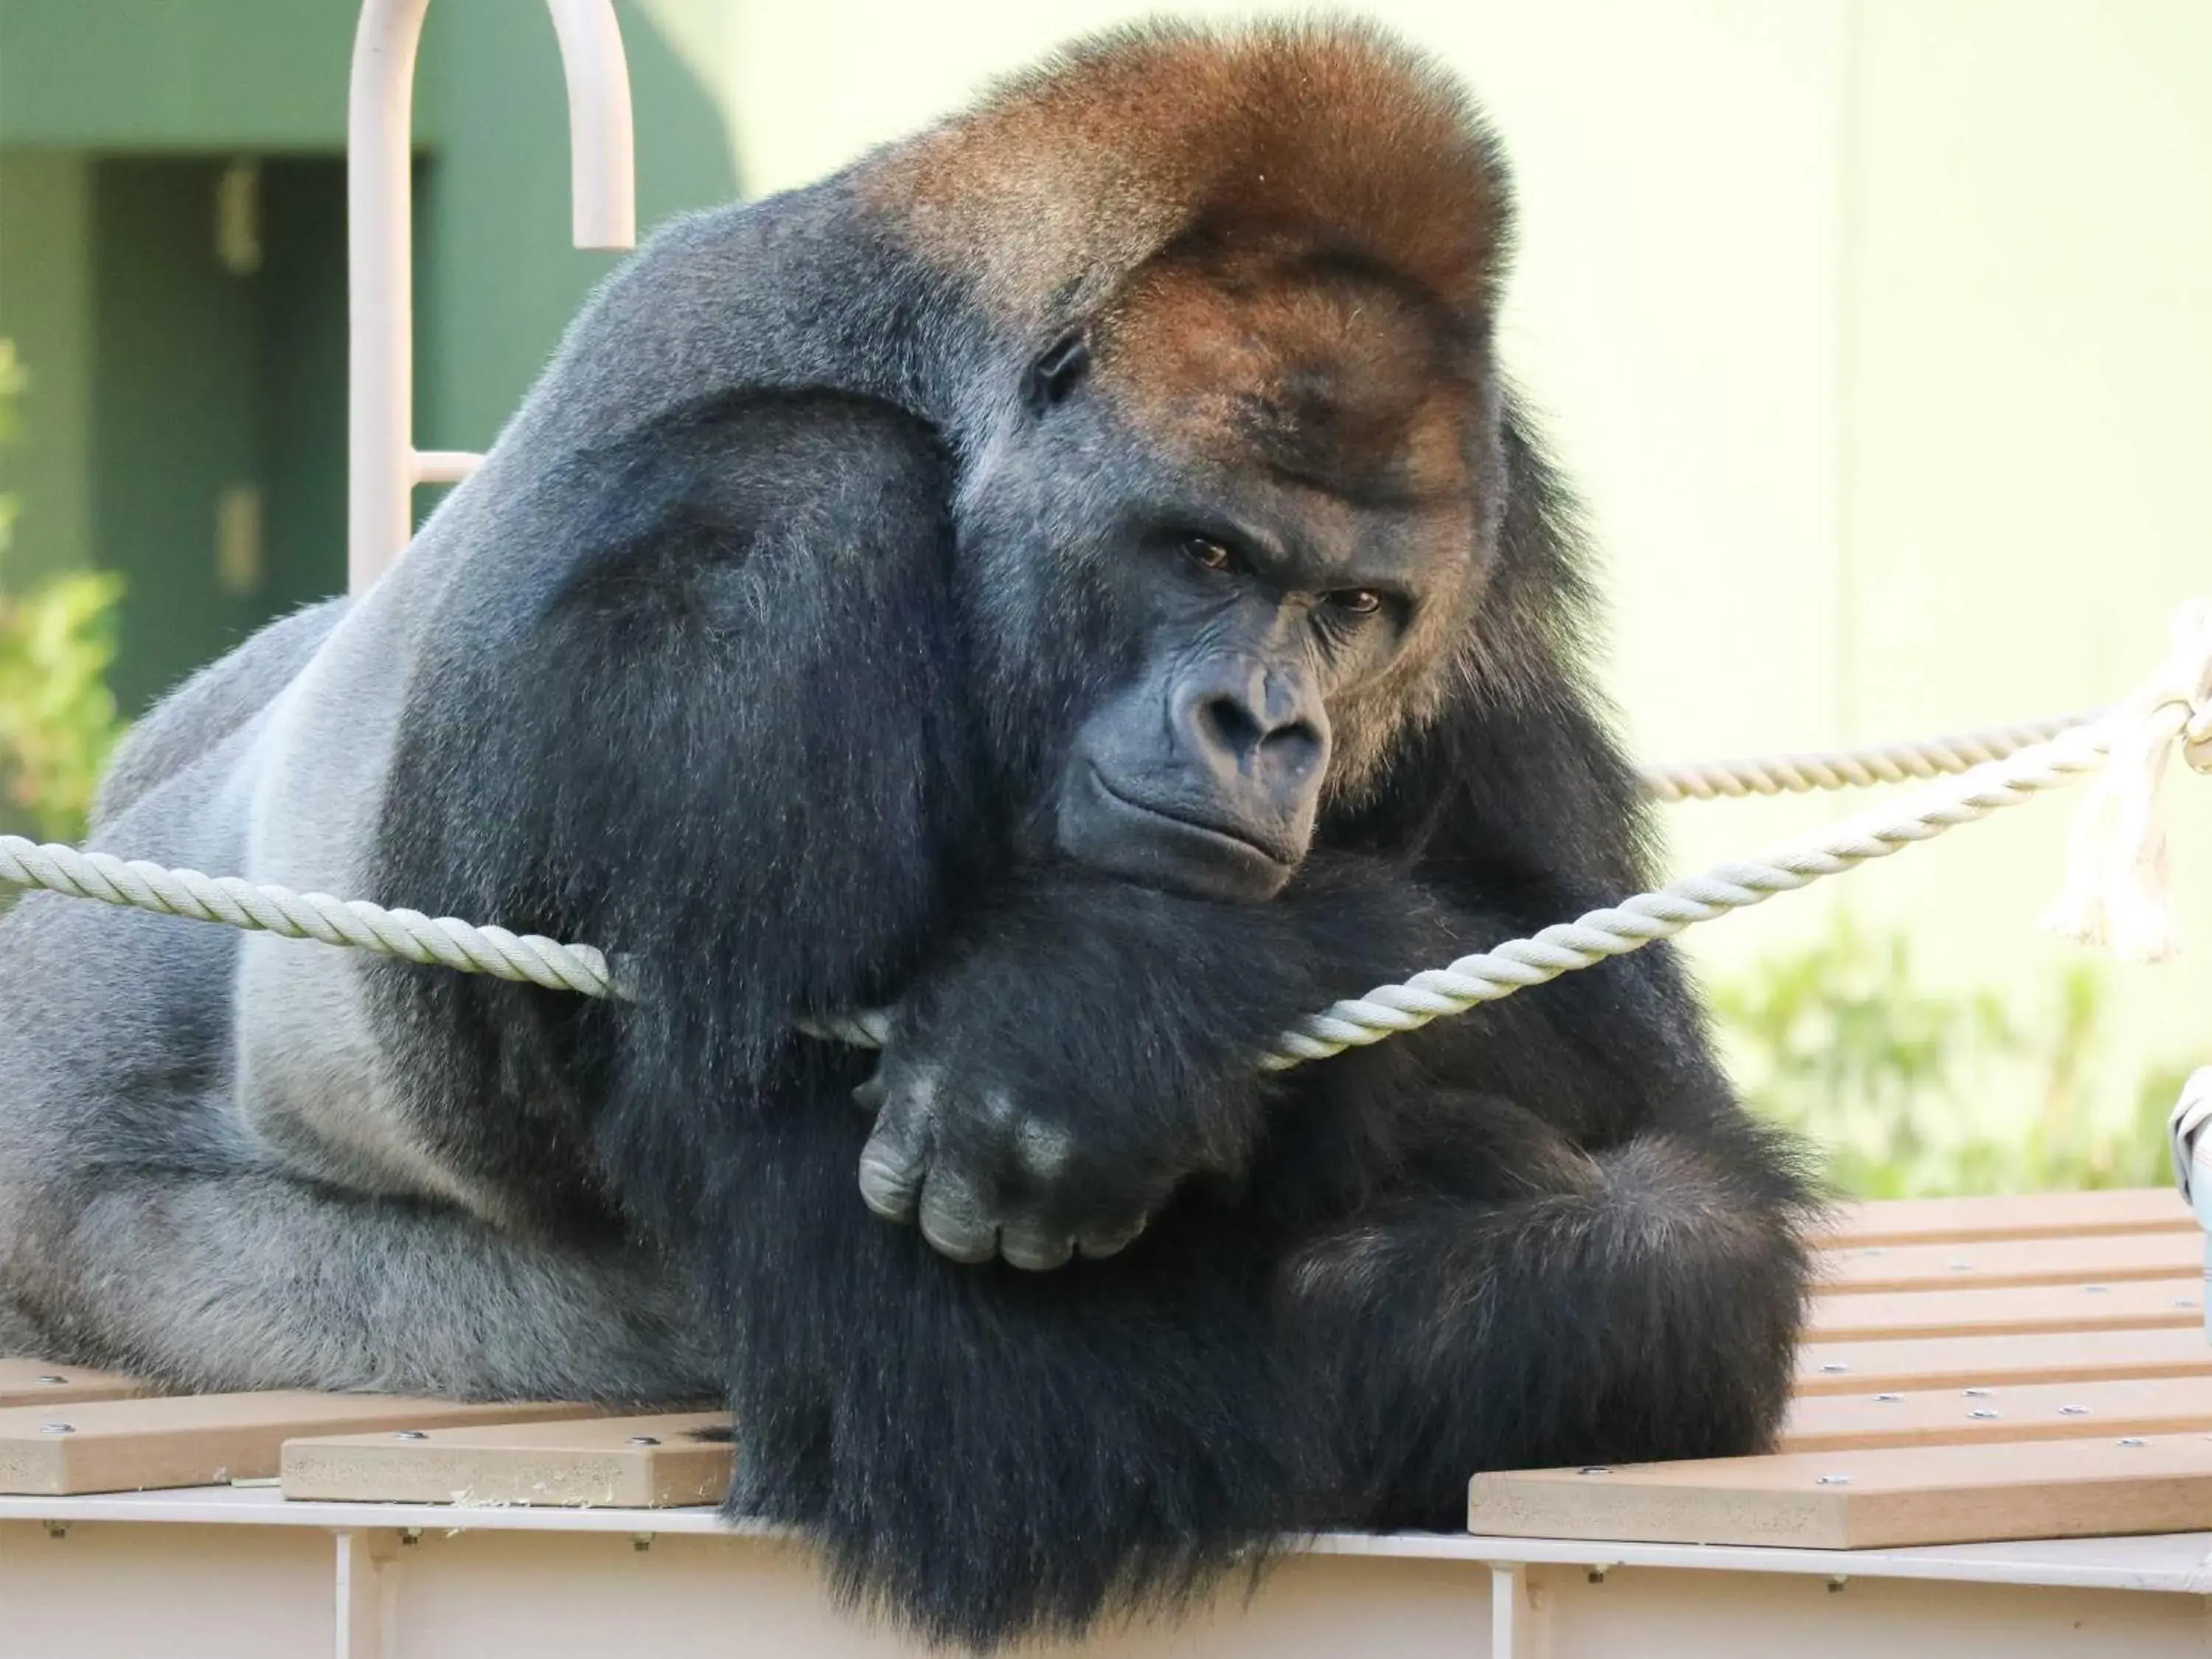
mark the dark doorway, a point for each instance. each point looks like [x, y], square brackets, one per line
[217, 400]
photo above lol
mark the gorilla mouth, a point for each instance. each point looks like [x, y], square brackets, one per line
[1236, 841]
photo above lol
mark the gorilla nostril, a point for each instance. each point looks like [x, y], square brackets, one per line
[1228, 725]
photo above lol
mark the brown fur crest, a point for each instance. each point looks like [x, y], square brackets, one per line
[1065, 180]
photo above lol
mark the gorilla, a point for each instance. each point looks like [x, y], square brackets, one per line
[1077, 580]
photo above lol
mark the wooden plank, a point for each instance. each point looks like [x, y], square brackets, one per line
[2038, 1411]
[2032, 1215]
[135, 1445]
[2140, 1304]
[43, 1383]
[1959, 1361]
[1985, 1264]
[639, 1462]
[1867, 1499]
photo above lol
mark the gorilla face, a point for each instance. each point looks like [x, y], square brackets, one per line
[1203, 769]
[1232, 536]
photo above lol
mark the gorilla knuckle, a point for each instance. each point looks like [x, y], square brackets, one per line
[1045, 1151]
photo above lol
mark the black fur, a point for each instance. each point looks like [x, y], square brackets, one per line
[740, 673]
[729, 743]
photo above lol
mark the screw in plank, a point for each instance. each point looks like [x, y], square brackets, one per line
[2185, 1302]
[2094, 1290]
[1983, 1415]
[2130, 1440]
[1834, 1481]
[1889, 1399]
[409, 1434]
[1594, 1468]
[2073, 1411]
[1975, 1394]
[643, 1440]
[1962, 1266]
[57, 1428]
[49, 1382]
[1833, 1369]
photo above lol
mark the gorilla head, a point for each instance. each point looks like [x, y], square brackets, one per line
[1234, 512]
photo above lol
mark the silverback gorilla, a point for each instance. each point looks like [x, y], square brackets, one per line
[1076, 579]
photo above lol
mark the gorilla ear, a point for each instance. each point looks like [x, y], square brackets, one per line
[1057, 372]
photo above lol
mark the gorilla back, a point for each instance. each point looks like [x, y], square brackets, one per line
[1075, 578]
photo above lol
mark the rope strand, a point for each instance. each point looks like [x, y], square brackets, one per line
[1849, 769]
[440, 941]
[1984, 772]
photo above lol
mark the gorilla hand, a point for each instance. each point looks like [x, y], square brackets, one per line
[1071, 1056]
[1085, 1043]
[988, 1168]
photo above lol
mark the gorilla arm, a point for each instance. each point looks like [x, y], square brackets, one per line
[723, 745]
[1086, 1044]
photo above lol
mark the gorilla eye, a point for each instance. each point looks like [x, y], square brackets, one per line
[1056, 374]
[1207, 554]
[1359, 601]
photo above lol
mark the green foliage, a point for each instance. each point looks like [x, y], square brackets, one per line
[57, 719]
[1897, 1083]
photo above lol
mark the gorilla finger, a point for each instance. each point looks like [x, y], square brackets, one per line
[954, 1220]
[871, 1096]
[892, 1166]
[1097, 1243]
[1034, 1249]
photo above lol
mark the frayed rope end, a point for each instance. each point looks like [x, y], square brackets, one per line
[2116, 893]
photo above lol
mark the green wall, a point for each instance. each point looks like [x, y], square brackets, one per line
[156, 378]
[46, 308]
[177, 74]
[502, 279]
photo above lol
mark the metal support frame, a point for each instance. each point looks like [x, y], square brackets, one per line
[365, 1591]
[1520, 1613]
[247, 1574]
[383, 466]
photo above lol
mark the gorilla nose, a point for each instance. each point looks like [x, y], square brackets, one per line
[1252, 724]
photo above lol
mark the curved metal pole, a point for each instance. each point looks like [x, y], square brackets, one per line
[380, 319]
[382, 463]
[601, 175]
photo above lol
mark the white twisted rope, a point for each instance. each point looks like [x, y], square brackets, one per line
[1849, 769]
[1489, 976]
[2116, 867]
[2174, 708]
[442, 941]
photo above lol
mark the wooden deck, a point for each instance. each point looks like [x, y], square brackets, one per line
[2034, 1342]
[1975, 1371]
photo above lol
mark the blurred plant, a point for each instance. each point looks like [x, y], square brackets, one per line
[12, 382]
[1895, 1082]
[57, 719]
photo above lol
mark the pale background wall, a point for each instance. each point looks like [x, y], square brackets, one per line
[1877, 332]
